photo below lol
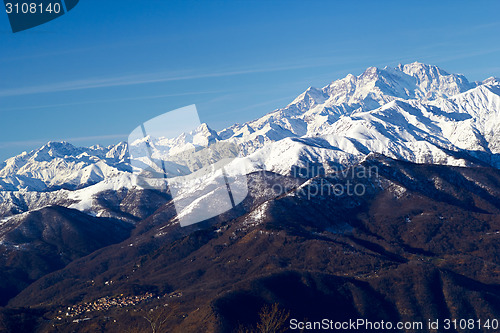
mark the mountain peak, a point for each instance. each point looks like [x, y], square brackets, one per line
[202, 135]
[54, 149]
[423, 71]
[416, 65]
[203, 128]
[370, 72]
[57, 145]
[349, 109]
[434, 82]
[491, 81]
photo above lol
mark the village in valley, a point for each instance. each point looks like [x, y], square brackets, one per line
[107, 303]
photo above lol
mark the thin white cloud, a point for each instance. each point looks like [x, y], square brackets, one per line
[266, 103]
[34, 142]
[138, 79]
[97, 137]
[111, 100]
[462, 55]
[12, 144]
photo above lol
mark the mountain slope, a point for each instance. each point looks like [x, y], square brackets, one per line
[394, 136]
[36, 243]
[435, 225]
[414, 112]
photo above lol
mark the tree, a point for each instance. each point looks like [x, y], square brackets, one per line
[157, 317]
[272, 319]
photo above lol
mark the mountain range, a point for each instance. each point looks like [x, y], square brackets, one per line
[415, 112]
[430, 212]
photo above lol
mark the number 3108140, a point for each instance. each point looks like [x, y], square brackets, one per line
[32, 8]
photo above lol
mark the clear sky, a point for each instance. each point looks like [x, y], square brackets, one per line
[94, 74]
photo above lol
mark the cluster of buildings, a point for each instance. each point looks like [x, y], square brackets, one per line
[105, 303]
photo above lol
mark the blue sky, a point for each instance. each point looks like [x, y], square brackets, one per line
[94, 74]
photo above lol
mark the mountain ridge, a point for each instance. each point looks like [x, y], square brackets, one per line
[418, 237]
[413, 112]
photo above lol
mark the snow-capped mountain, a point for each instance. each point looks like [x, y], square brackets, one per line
[316, 108]
[60, 164]
[413, 112]
[76, 224]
